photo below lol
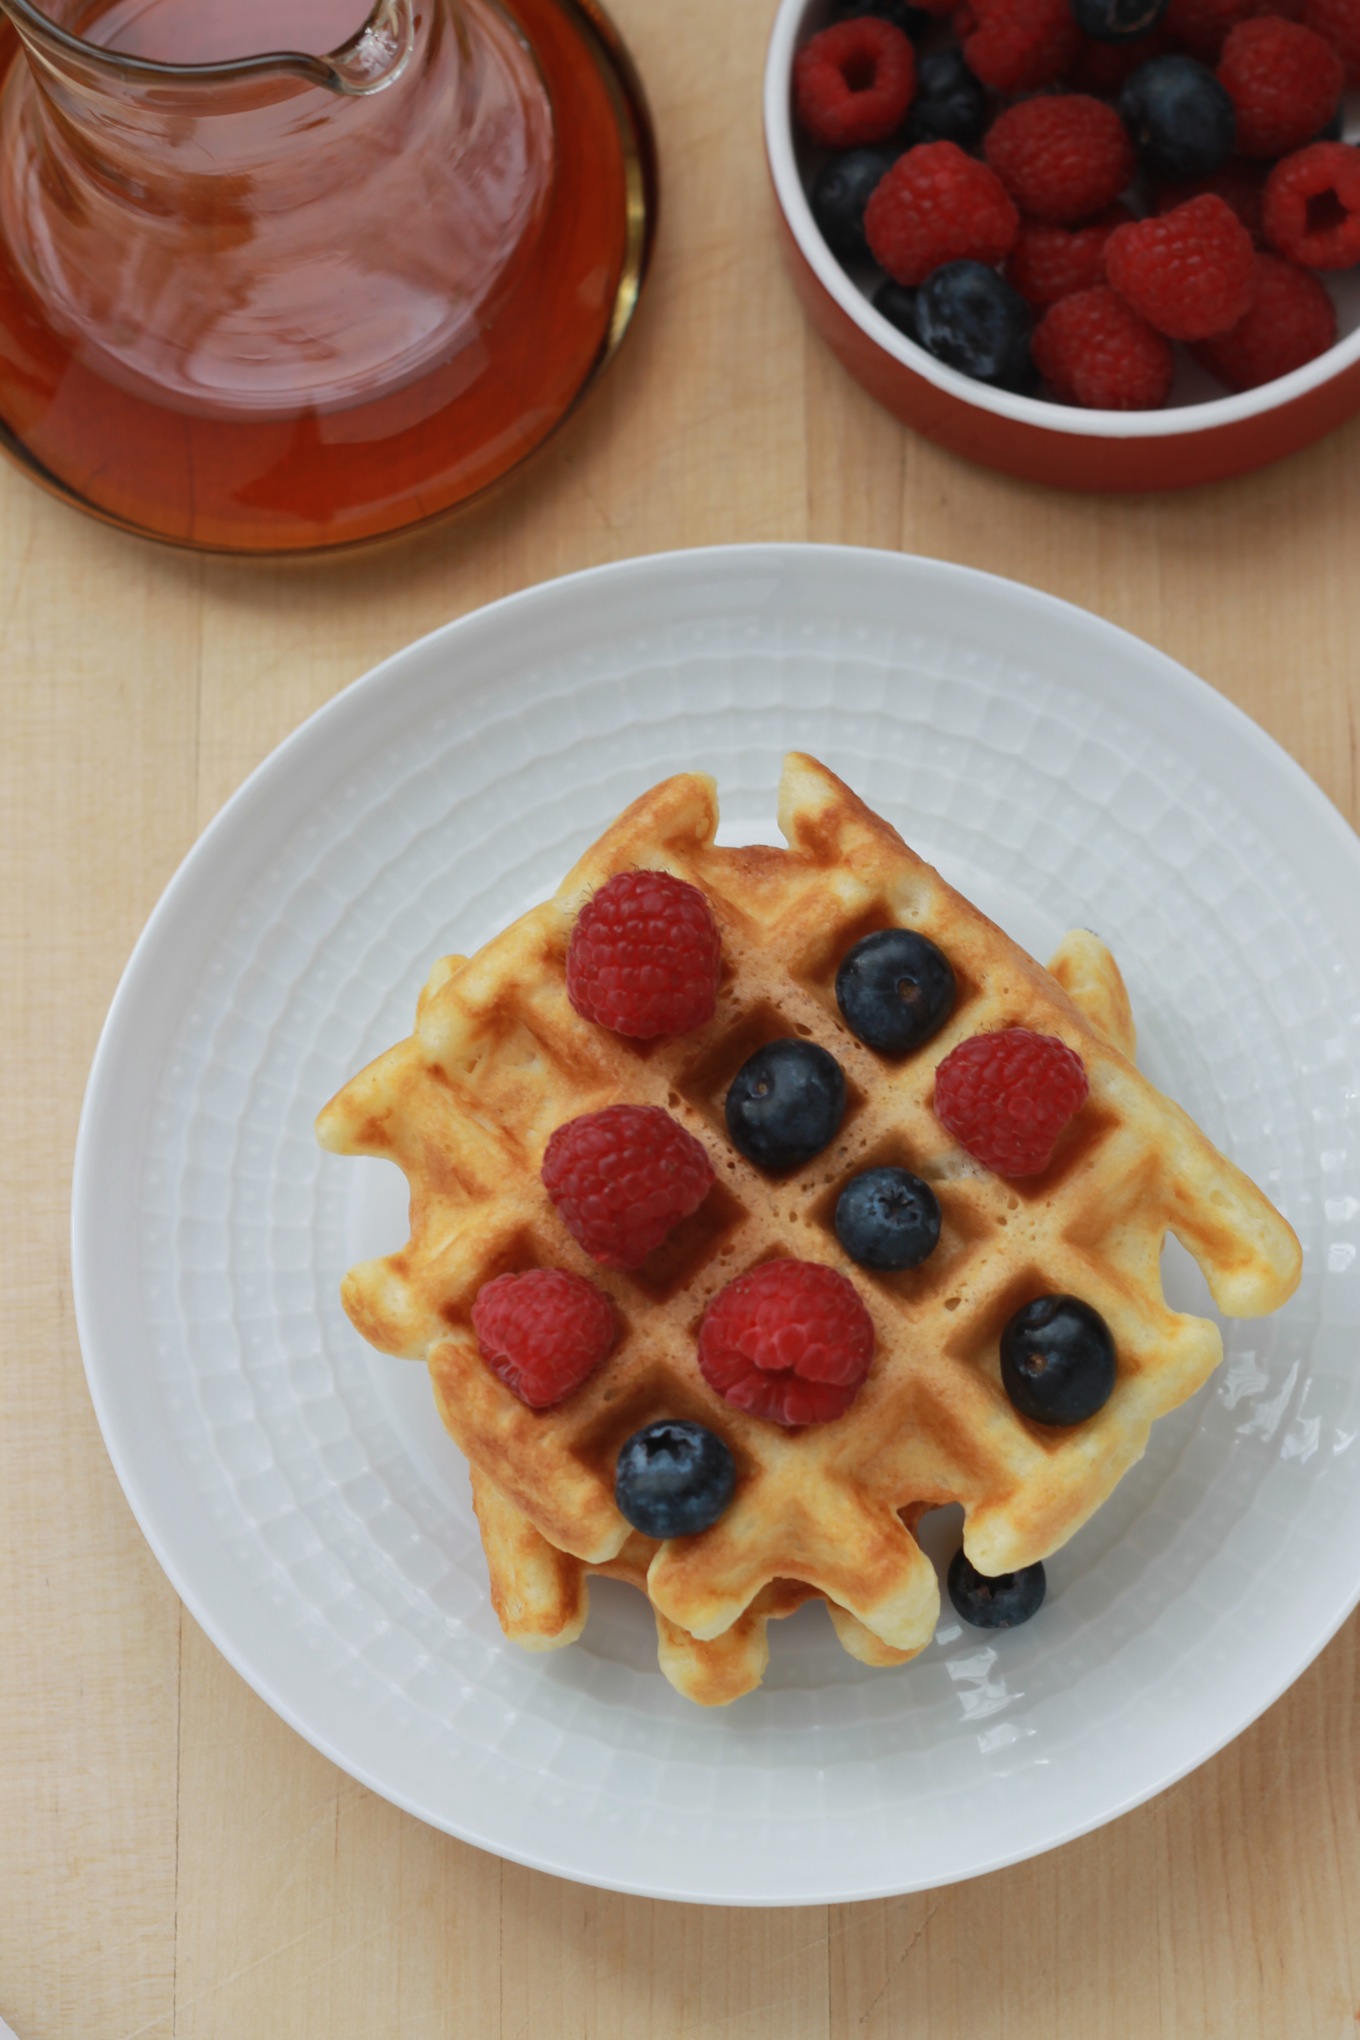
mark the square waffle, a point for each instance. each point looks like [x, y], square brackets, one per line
[499, 1059]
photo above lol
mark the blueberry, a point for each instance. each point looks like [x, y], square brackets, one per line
[970, 318]
[912, 21]
[1058, 1361]
[1001, 1603]
[1180, 117]
[1118, 20]
[888, 1218]
[897, 302]
[785, 1104]
[673, 1479]
[950, 104]
[840, 193]
[895, 989]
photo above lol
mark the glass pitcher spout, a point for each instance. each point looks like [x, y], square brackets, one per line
[369, 60]
[376, 57]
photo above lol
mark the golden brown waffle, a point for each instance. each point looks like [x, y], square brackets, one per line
[499, 1059]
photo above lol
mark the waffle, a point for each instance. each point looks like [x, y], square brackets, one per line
[499, 1059]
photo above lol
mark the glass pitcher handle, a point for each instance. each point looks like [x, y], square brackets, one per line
[376, 57]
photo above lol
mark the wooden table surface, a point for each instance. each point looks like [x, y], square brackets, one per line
[173, 1859]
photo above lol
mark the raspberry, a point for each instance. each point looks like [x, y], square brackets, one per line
[1338, 21]
[543, 1332]
[1092, 349]
[1239, 185]
[1285, 84]
[644, 956]
[790, 1341]
[1006, 1097]
[937, 205]
[622, 1178]
[1190, 273]
[854, 82]
[1048, 263]
[1203, 25]
[1291, 321]
[1312, 206]
[1017, 45]
[1062, 158]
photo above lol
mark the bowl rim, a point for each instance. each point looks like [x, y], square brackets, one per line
[1179, 422]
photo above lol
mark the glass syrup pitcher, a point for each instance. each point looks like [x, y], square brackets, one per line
[269, 302]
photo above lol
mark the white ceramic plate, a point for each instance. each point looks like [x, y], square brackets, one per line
[298, 1489]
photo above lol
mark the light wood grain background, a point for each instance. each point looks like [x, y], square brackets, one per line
[173, 1860]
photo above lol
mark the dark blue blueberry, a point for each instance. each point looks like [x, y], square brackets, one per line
[888, 1218]
[673, 1479]
[950, 103]
[1001, 1603]
[1058, 1361]
[840, 192]
[895, 989]
[1118, 20]
[1180, 117]
[786, 1104]
[970, 318]
[911, 20]
[897, 302]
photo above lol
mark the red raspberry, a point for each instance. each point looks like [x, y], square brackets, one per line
[644, 956]
[1048, 263]
[1017, 45]
[1006, 1097]
[854, 82]
[1189, 273]
[1239, 185]
[790, 1341]
[1094, 350]
[1312, 206]
[1292, 321]
[1285, 84]
[543, 1332]
[1061, 158]
[936, 205]
[1338, 21]
[622, 1178]
[1203, 25]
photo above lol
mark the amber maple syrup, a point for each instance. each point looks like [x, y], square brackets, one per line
[288, 464]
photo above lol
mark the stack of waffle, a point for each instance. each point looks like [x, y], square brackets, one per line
[499, 1059]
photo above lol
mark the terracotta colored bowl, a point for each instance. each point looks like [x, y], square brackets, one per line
[1200, 437]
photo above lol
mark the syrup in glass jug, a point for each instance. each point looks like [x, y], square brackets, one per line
[276, 302]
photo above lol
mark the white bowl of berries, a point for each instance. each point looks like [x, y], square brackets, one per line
[1109, 244]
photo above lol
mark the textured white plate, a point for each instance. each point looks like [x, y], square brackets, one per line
[298, 1489]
